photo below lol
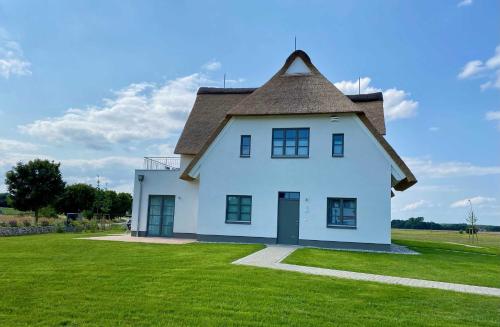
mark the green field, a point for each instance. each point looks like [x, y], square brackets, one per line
[56, 280]
[10, 211]
[488, 242]
[445, 256]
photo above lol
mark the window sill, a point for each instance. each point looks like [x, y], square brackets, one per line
[238, 222]
[341, 226]
[242, 156]
[337, 155]
[289, 157]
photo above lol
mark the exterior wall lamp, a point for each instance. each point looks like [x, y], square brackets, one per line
[140, 178]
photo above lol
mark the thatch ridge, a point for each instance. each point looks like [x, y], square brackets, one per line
[295, 94]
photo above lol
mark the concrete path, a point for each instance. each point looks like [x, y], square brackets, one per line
[272, 255]
[128, 238]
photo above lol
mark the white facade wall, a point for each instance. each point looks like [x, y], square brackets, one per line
[363, 173]
[166, 182]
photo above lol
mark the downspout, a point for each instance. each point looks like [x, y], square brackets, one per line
[140, 178]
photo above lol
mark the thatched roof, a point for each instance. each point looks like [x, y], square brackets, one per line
[283, 94]
[210, 108]
[213, 104]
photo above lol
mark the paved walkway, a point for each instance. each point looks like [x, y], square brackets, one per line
[272, 255]
[128, 238]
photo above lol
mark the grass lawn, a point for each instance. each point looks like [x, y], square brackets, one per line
[441, 258]
[60, 281]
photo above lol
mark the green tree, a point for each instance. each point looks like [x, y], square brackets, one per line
[122, 205]
[4, 200]
[34, 185]
[77, 198]
[112, 203]
[109, 199]
[103, 202]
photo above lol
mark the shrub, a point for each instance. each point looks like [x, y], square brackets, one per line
[85, 224]
[77, 226]
[26, 223]
[60, 228]
[13, 223]
[88, 214]
[94, 225]
[44, 222]
[48, 212]
[3, 224]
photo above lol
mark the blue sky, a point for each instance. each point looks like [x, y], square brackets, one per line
[97, 85]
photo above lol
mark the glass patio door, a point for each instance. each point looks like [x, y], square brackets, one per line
[161, 215]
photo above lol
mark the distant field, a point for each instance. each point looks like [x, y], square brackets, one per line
[8, 214]
[10, 211]
[445, 256]
[488, 242]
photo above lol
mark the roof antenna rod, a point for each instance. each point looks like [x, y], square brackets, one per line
[224, 80]
[359, 85]
[295, 39]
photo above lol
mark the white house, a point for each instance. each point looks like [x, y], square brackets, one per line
[294, 161]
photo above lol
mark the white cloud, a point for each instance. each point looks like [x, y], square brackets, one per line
[494, 115]
[160, 150]
[12, 61]
[9, 159]
[212, 65]
[477, 200]
[416, 205]
[14, 145]
[235, 81]
[464, 3]
[353, 87]
[471, 68]
[436, 188]
[105, 162]
[138, 112]
[396, 106]
[92, 180]
[433, 129]
[428, 168]
[115, 171]
[489, 70]
[396, 102]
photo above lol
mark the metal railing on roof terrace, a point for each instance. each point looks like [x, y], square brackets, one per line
[162, 163]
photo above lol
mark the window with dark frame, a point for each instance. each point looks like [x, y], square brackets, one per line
[341, 212]
[337, 145]
[238, 209]
[290, 142]
[245, 145]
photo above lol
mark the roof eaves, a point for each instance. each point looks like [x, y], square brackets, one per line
[220, 90]
[409, 179]
[369, 97]
[185, 174]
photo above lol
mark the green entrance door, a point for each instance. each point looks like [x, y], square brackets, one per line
[161, 215]
[288, 217]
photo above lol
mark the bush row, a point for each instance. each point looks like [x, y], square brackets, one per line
[45, 226]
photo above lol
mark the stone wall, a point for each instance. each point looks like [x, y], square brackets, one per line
[16, 231]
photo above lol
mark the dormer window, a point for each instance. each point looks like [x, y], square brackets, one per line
[290, 143]
[298, 67]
